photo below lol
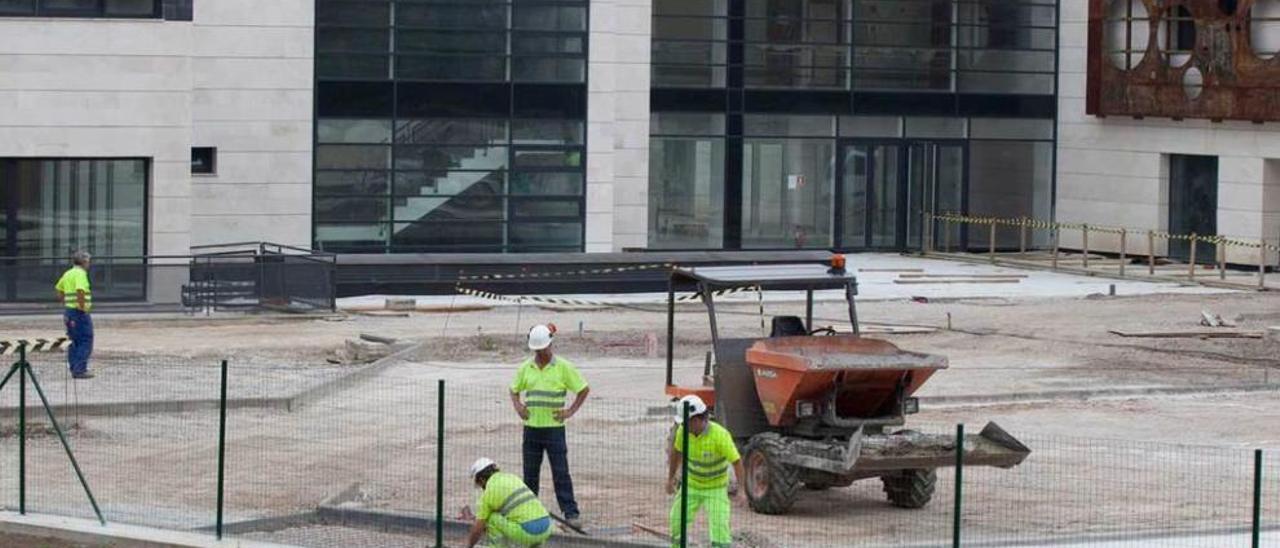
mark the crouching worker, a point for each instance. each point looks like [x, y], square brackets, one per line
[508, 513]
[711, 454]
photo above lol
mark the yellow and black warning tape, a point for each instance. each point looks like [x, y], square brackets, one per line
[34, 345]
[1049, 225]
[565, 301]
[564, 273]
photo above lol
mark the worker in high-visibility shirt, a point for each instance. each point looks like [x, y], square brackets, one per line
[77, 298]
[545, 380]
[508, 513]
[711, 454]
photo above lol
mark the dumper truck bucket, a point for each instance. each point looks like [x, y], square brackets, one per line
[852, 378]
[873, 454]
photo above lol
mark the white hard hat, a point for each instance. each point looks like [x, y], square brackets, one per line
[540, 337]
[696, 407]
[481, 464]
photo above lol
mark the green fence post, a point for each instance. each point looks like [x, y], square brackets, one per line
[22, 428]
[955, 526]
[222, 447]
[1257, 498]
[684, 478]
[440, 464]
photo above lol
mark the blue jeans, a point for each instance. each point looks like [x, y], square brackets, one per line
[80, 331]
[552, 442]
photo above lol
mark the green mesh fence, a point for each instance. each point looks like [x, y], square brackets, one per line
[347, 455]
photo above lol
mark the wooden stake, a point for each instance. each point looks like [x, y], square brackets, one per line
[1262, 264]
[1022, 237]
[1124, 238]
[1222, 260]
[1056, 233]
[1151, 252]
[1191, 271]
[1084, 243]
[991, 243]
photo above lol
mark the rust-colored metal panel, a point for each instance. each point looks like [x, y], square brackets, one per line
[1136, 67]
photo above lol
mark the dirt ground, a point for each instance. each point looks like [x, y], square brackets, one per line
[1107, 465]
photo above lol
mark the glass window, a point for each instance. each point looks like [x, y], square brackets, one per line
[369, 236]
[1010, 179]
[552, 43]
[789, 126]
[447, 236]
[550, 236]
[686, 192]
[902, 45]
[547, 158]
[353, 131]
[17, 7]
[442, 41]
[82, 6]
[442, 67]
[539, 69]
[787, 193]
[870, 126]
[690, 43]
[534, 209]
[443, 158]
[557, 18]
[796, 43]
[940, 128]
[73, 203]
[1010, 128]
[351, 183]
[357, 209]
[547, 132]
[427, 183]
[204, 160]
[353, 157]
[131, 8]
[468, 207]
[452, 17]
[344, 40]
[546, 184]
[451, 131]
[686, 123]
[353, 14]
[353, 66]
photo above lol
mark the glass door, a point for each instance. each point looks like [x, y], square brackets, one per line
[936, 182]
[872, 191]
[887, 187]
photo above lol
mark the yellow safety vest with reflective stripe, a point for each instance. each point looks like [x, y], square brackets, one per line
[546, 389]
[710, 456]
[72, 281]
[506, 495]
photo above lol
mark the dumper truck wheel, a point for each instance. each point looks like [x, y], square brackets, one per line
[910, 488]
[772, 486]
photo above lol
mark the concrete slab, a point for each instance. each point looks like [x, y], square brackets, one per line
[114, 534]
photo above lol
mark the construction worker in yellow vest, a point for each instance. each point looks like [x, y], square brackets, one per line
[77, 300]
[508, 513]
[711, 453]
[545, 380]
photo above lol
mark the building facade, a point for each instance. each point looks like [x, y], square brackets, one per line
[146, 127]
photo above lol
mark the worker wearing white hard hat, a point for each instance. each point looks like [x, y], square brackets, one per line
[538, 394]
[711, 453]
[507, 512]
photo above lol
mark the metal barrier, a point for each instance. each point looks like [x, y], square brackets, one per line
[1224, 251]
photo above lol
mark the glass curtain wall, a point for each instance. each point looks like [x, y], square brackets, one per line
[50, 207]
[943, 106]
[690, 43]
[450, 126]
[797, 44]
[788, 176]
[686, 181]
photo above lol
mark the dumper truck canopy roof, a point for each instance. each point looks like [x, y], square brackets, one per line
[777, 277]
